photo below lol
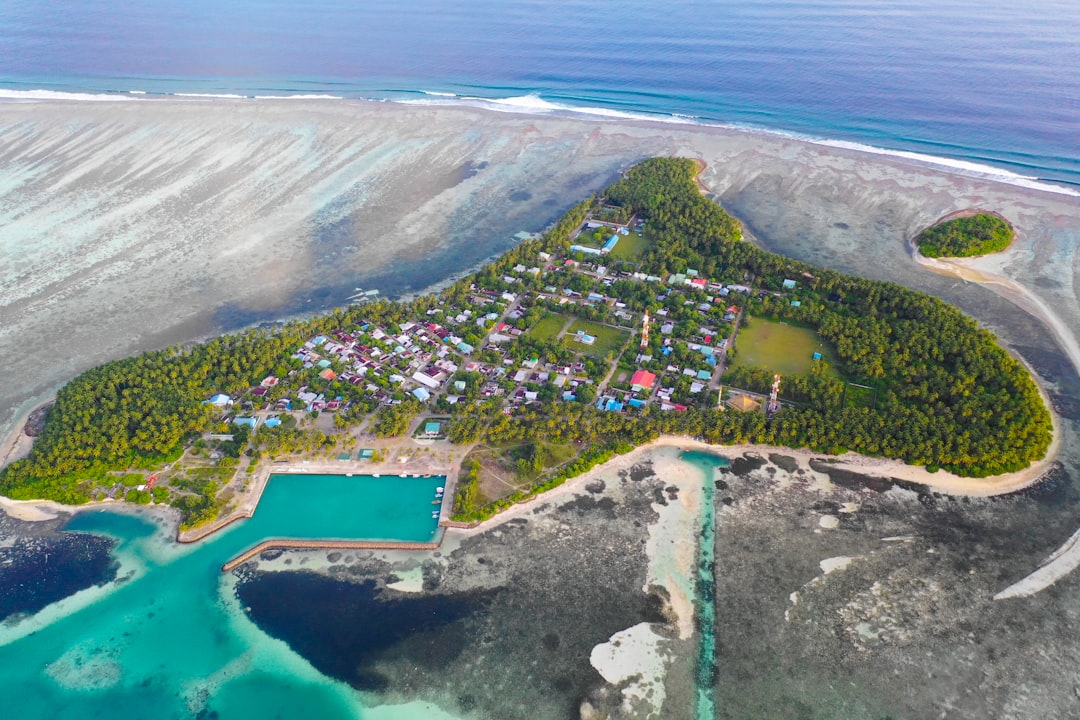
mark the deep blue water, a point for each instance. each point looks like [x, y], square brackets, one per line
[994, 82]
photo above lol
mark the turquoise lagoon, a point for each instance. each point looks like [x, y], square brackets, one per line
[169, 639]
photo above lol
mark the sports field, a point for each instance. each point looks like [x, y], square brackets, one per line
[630, 247]
[608, 339]
[548, 327]
[782, 348]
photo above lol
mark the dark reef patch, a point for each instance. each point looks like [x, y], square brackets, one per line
[857, 481]
[39, 568]
[784, 462]
[344, 628]
[745, 465]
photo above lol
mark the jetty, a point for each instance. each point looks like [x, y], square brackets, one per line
[286, 544]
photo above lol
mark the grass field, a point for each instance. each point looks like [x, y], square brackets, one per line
[607, 339]
[548, 327]
[631, 247]
[782, 348]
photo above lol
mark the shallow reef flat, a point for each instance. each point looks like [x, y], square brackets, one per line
[842, 599]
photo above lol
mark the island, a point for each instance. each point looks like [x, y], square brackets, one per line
[641, 313]
[966, 235]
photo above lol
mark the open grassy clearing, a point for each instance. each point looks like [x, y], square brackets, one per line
[631, 247]
[548, 327]
[782, 348]
[608, 339]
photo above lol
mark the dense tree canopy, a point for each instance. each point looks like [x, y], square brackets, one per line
[966, 237]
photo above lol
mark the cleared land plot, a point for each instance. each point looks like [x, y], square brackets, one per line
[502, 475]
[607, 340]
[782, 348]
[631, 247]
[548, 327]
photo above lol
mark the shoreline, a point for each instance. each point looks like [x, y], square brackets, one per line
[16, 445]
[973, 168]
[870, 467]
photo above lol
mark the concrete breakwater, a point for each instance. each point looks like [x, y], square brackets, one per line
[286, 544]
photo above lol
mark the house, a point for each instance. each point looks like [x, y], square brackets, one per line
[432, 429]
[642, 380]
[328, 374]
[704, 375]
[789, 284]
[220, 400]
[425, 379]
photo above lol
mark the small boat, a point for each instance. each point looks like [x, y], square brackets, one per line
[440, 490]
[436, 502]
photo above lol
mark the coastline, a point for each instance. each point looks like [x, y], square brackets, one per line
[247, 503]
[16, 444]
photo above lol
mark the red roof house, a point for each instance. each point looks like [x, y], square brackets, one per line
[643, 379]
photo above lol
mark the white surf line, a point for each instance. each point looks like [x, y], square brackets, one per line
[1066, 558]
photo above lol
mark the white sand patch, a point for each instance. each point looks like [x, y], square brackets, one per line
[84, 668]
[672, 543]
[415, 710]
[26, 511]
[634, 655]
[412, 580]
[829, 522]
[830, 565]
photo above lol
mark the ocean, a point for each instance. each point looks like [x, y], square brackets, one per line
[994, 86]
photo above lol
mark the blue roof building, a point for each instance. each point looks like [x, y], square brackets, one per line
[636, 402]
[421, 394]
[704, 375]
[246, 422]
[464, 347]
[610, 244]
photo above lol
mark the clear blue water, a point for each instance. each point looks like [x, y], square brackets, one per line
[995, 82]
[172, 640]
[705, 699]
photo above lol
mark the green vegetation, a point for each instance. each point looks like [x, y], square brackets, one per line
[609, 341]
[630, 248]
[779, 347]
[394, 420]
[966, 237]
[548, 327]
